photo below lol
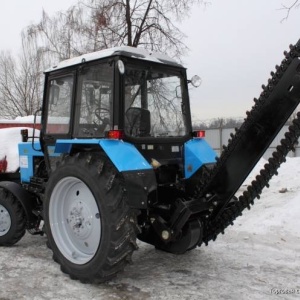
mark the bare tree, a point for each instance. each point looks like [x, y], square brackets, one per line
[93, 25]
[88, 26]
[59, 37]
[134, 23]
[20, 81]
[289, 7]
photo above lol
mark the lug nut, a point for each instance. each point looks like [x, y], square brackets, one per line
[165, 235]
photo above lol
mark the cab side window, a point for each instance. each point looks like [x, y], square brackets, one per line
[59, 105]
[95, 98]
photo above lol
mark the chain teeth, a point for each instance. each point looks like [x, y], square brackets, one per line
[214, 227]
[255, 189]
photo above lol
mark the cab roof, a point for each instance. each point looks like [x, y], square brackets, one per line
[132, 52]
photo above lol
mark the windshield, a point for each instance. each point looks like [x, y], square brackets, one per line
[153, 103]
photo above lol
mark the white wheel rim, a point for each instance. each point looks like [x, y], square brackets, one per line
[5, 220]
[75, 220]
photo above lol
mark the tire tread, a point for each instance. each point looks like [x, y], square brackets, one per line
[123, 224]
[8, 199]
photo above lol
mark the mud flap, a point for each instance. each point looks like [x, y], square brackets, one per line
[140, 186]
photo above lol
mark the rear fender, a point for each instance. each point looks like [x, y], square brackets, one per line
[123, 155]
[197, 152]
[140, 180]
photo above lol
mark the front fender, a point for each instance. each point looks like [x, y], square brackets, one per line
[197, 152]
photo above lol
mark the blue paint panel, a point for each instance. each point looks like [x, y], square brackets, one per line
[125, 156]
[26, 155]
[65, 146]
[197, 152]
[27, 149]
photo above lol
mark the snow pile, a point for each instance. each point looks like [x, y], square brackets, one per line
[9, 140]
[22, 120]
[278, 209]
[28, 119]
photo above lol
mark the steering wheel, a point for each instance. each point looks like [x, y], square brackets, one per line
[102, 115]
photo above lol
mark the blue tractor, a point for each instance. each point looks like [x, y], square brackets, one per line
[117, 160]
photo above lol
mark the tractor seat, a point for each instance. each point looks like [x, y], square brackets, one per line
[137, 122]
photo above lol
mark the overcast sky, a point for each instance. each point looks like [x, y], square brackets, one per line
[234, 44]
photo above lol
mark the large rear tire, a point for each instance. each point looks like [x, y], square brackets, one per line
[12, 219]
[89, 226]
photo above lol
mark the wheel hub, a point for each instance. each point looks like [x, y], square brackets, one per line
[75, 220]
[5, 220]
[80, 219]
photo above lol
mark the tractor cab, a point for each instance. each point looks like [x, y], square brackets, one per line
[144, 96]
[121, 93]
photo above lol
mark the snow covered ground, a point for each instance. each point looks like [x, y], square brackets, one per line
[259, 253]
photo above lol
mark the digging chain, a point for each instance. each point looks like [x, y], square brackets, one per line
[231, 212]
[255, 189]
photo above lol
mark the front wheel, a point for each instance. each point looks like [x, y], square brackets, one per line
[89, 226]
[12, 219]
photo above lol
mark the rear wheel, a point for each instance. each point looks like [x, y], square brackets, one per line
[89, 226]
[12, 219]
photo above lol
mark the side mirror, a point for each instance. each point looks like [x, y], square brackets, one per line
[195, 81]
